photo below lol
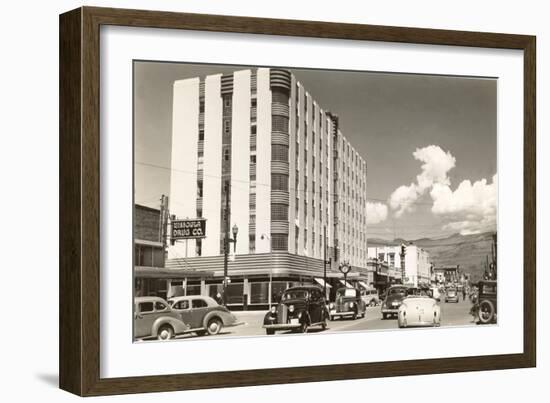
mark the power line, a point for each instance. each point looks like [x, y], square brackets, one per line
[312, 192]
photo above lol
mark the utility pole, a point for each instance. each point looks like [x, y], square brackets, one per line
[402, 255]
[163, 224]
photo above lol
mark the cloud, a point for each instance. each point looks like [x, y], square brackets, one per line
[435, 168]
[402, 199]
[470, 209]
[376, 212]
[437, 164]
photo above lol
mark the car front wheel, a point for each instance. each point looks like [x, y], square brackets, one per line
[486, 312]
[214, 326]
[165, 332]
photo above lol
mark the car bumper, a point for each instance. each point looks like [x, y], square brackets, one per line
[345, 313]
[282, 326]
[419, 324]
[390, 310]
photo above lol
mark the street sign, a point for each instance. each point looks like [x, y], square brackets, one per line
[188, 229]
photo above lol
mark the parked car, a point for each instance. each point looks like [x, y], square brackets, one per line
[419, 310]
[348, 303]
[394, 297]
[153, 317]
[370, 297]
[485, 310]
[451, 295]
[300, 308]
[203, 314]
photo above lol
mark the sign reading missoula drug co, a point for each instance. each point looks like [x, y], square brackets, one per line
[188, 229]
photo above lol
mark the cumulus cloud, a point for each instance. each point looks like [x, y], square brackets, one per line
[402, 199]
[435, 168]
[470, 209]
[376, 212]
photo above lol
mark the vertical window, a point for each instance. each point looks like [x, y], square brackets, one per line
[199, 188]
[226, 126]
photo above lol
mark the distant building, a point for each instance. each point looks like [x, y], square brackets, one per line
[447, 274]
[418, 269]
[291, 175]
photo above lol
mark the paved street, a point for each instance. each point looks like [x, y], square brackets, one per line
[452, 314]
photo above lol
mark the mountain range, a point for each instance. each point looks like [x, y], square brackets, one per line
[468, 251]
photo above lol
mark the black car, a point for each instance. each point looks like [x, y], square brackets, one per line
[485, 309]
[394, 297]
[300, 308]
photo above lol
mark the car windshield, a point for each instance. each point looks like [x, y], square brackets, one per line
[295, 294]
[347, 292]
[395, 291]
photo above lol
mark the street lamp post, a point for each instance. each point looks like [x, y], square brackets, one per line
[226, 242]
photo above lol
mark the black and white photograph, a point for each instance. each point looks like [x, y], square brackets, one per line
[276, 200]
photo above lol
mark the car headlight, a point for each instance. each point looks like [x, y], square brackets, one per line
[331, 305]
[273, 309]
[291, 308]
[351, 304]
[299, 315]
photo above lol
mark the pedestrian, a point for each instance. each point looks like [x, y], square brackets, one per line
[463, 293]
[219, 299]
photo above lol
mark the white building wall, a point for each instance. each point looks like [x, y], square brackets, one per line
[240, 158]
[211, 200]
[183, 178]
[263, 161]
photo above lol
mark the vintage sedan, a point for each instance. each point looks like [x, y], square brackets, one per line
[203, 314]
[394, 297]
[153, 318]
[485, 308]
[419, 310]
[300, 308]
[451, 295]
[348, 304]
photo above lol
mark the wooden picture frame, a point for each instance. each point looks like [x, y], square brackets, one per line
[79, 348]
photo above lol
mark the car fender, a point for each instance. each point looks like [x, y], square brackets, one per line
[210, 315]
[177, 325]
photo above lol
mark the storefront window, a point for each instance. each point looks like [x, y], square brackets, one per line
[234, 294]
[259, 293]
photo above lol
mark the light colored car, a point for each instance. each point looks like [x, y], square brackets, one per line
[153, 317]
[419, 310]
[203, 314]
[451, 295]
[370, 297]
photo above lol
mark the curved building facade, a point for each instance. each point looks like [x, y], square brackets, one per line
[296, 186]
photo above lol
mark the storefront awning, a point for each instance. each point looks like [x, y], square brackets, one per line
[364, 285]
[345, 283]
[164, 273]
[321, 282]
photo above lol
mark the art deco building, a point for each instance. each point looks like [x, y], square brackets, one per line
[291, 174]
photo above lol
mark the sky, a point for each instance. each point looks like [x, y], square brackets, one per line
[430, 142]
